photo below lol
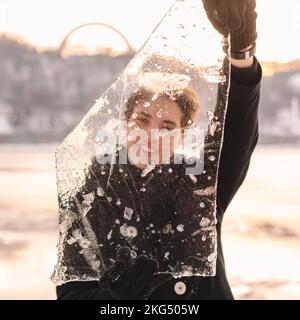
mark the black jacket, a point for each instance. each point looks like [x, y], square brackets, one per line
[240, 139]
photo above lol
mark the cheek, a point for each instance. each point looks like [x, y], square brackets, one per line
[177, 141]
[136, 136]
[129, 140]
[170, 142]
[131, 137]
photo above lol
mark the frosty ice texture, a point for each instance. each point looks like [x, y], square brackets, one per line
[163, 211]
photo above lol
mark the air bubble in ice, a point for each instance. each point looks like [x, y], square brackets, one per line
[212, 128]
[71, 240]
[133, 254]
[131, 231]
[146, 104]
[143, 189]
[210, 115]
[180, 228]
[128, 213]
[166, 255]
[128, 231]
[105, 100]
[147, 169]
[154, 97]
[205, 192]
[211, 257]
[202, 205]
[159, 113]
[130, 124]
[204, 222]
[193, 178]
[109, 235]
[167, 228]
[123, 230]
[196, 232]
[212, 158]
[86, 203]
[84, 243]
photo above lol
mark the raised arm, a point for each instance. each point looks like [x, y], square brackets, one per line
[237, 17]
[240, 132]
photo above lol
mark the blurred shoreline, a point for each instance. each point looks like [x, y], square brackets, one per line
[260, 229]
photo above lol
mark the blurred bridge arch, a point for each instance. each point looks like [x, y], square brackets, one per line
[130, 50]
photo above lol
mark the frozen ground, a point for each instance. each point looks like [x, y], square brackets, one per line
[261, 234]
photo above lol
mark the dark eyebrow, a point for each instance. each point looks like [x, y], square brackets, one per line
[145, 114]
[170, 122]
[149, 116]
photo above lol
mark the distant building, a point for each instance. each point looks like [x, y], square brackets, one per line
[288, 119]
[5, 126]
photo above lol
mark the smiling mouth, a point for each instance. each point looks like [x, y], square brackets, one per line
[148, 150]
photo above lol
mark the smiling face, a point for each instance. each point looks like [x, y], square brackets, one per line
[155, 126]
[153, 131]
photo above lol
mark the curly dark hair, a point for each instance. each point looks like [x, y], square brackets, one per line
[186, 99]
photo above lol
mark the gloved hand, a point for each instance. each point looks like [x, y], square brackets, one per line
[132, 278]
[235, 16]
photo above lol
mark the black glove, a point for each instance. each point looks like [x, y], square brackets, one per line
[235, 16]
[132, 278]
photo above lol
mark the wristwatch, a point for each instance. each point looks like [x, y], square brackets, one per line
[241, 55]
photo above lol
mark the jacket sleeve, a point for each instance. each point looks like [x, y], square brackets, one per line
[240, 131]
[82, 290]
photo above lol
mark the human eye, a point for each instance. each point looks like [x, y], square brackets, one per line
[169, 127]
[142, 120]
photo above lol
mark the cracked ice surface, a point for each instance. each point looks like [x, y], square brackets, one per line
[105, 200]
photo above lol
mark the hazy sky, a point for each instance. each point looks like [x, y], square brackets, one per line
[45, 22]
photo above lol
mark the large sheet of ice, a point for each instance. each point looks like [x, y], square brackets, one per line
[111, 193]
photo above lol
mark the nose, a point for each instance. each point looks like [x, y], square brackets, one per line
[154, 139]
